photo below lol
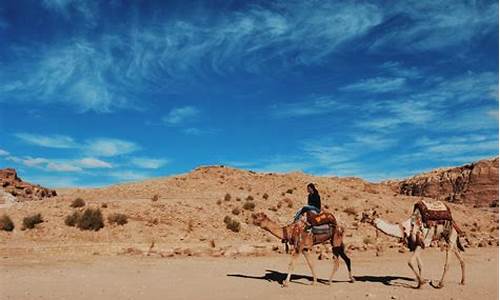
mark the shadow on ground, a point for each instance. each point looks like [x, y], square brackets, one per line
[279, 277]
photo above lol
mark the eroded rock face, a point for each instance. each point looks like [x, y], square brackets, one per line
[23, 191]
[475, 184]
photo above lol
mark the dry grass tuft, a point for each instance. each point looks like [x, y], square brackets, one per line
[118, 219]
[31, 221]
[6, 223]
[78, 202]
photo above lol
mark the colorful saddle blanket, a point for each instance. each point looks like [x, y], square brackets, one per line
[432, 212]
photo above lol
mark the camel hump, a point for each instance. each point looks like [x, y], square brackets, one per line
[321, 218]
[433, 211]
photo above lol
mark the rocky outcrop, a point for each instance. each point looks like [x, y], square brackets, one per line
[475, 184]
[23, 191]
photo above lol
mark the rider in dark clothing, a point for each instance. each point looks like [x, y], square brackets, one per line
[313, 202]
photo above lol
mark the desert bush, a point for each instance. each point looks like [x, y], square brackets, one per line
[236, 211]
[104, 205]
[350, 211]
[289, 191]
[265, 196]
[155, 197]
[231, 224]
[78, 202]
[91, 219]
[273, 208]
[118, 219]
[30, 221]
[345, 198]
[249, 205]
[249, 198]
[368, 240]
[238, 199]
[6, 223]
[227, 197]
[72, 219]
[219, 202]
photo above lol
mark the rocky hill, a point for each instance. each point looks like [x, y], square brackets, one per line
[189, 214]
[23, 191]
[475, 184]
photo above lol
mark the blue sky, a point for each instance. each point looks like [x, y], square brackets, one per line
[94, 93]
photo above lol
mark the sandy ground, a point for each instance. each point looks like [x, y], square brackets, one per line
[124, 277]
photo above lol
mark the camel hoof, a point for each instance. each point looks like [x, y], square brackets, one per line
[352, 280]
[439, 285]
[313, 283]
[462, 282]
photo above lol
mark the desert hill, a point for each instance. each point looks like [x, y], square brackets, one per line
[185, 214]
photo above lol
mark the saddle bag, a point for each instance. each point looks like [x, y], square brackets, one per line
[433, 212]
[321, 229]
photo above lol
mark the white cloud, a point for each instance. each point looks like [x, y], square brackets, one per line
[376, 85]
[49, 141]
[4, 152]
[315, 105]
[109, 147]
[128, 175]
[181, 115]
[148, 163]
[93, 163]
[63, 167]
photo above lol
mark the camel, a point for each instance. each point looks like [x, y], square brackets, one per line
[303, 242]
[418, 237]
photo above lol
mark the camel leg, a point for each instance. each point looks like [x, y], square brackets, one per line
[347, 261]
[411, 263]
[336, 264]
[295, 254]
[462, 264]
[445, 269]
[310, 263]
[420, 265]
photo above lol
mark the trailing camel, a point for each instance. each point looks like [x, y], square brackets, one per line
[429, 222]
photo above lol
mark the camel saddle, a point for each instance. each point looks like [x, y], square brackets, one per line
[322, 218]
[433, 213]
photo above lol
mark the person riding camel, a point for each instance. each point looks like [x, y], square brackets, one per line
[313, 202]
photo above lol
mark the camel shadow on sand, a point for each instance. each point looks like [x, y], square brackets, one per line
[279, 277]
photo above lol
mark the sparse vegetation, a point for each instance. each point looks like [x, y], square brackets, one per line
[289, 191]
[155, 197]
[78, 202]
[219, 202]
[118, 219]
[31, 221]
[249, 198]
[72, 219]
[351, 211]
[232, 224]
[249, 205]
[91, 219]
[345, 198]
[265, 196]
[368, 240]
[273, 208]
[236, 211]
[104, 205]
[6, 223]
[227, 197]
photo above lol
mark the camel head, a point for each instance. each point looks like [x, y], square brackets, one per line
[259, 218]
[369, 217]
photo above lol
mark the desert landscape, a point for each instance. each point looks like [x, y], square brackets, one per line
[191, 236]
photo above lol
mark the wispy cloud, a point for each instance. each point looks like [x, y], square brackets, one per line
[181, 115]
[71, 8]
[109, 147]
[63, 167]
[93, 163]
[376, 85]
[3, 152]
[49, 141]
[148, 163]
[60, 165]
[313, 106]
[128, 175]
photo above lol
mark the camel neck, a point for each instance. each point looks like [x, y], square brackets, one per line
[273, 228]
[387, 228]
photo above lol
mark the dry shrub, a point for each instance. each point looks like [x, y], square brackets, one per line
[155, 197]
[78, 202]
[289, 202]
[231, 224]
[6, 223]
[236, 211]
[351, 211]
[227, 197]
[72, 219]
[265, 196]
[345, 198]
[273, 208]
[368, 240]
[249, 198]
[249, 205]
[91, 219]
[31, 221]
[219, 202]
[118, 219]
[289, 191]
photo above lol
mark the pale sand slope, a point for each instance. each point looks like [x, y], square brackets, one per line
[101, 277]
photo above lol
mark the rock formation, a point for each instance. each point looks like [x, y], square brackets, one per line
[475, 183]
[23, 191]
